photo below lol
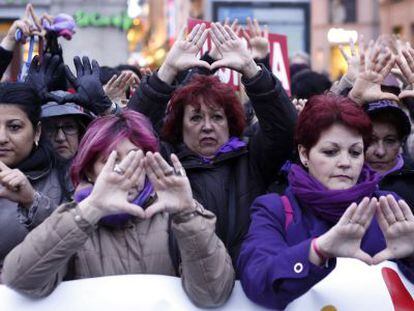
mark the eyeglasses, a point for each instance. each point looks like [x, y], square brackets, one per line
[68, 129]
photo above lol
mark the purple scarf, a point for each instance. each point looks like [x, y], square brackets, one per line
[233, 144]
[118, 220]
[330, 204]
[397, 166]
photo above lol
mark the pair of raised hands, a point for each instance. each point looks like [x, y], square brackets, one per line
[394, 218]
[110, 192]
[368, 69]
[257, 38]
[183, 54]
[89, 94]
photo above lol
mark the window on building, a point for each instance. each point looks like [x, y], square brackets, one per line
[342, 11]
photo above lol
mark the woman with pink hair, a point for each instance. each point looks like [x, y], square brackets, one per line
[128, 202]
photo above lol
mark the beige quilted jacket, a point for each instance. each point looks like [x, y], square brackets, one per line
[65, 246]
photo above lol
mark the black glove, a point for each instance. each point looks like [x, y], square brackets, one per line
[42, 76]
[90, 93]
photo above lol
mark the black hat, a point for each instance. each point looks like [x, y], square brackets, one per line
[384, 107]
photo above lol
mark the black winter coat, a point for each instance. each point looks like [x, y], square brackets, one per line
[402, 183]
[228, 185]
[5, 60]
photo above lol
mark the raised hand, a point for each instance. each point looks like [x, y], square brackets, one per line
[344, 239]
[258, 39]
[353, 61]
[299, 104]
[110, 192]
[115, 89]
[235, 54]
[89, 91]
[183, 53]
[397, 224]
[214, 52]
[170, 183]
[15, 186]
[405, 61]
[374, 67]
[41, 76]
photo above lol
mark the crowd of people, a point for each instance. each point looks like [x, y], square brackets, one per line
[116, 170]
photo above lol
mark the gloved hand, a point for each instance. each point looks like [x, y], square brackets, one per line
[89, 91]
[42, 76]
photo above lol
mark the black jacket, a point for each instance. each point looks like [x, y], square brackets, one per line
[5, 60]
[228, 185]
[402, 183]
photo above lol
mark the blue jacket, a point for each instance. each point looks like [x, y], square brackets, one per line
[274, 264]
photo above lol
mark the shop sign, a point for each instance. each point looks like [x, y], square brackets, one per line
[86, 19]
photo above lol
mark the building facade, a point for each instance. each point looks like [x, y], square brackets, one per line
[334, 22]
[397, 17]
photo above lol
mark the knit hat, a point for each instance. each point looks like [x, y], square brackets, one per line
[384, 107]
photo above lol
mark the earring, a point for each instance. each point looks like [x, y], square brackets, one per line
[36, 142]
[305, 164]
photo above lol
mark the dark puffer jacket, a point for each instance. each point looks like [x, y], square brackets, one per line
[402, 183]
[229, 184]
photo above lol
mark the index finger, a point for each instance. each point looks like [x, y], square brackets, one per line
[110, 163]
[3, 167]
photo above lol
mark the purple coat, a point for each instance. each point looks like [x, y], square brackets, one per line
[273, 264]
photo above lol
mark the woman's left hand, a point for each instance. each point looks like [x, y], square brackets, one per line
[16, 186]
[170, 183]
[397, 224]
[235, 54]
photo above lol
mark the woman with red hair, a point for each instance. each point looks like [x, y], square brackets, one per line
[204, 123]
[327, 211]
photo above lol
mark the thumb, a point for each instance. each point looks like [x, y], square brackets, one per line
[389, 96]
[218, 64]
[3, 167]
[406, 93]
[204, 64]
[361, 255]
[134, 209]
[70, 76]
[382, 256]
[72, 98]
[153, 209]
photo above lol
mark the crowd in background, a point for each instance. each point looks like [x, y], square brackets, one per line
[125, 170]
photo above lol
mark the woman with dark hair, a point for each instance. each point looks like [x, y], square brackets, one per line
[64, 125]
[327, 210]
[120, 221]
[391, 127]
[204, 124]
[30, 189]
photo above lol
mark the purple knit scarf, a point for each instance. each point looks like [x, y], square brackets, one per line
[330, 204]
[118, 220]
[233, 144]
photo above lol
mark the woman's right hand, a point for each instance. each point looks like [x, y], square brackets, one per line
[110, 192]
[183, 53]
[344, 239]
[375, 65]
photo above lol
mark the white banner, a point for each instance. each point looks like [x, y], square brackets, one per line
[351, 286]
